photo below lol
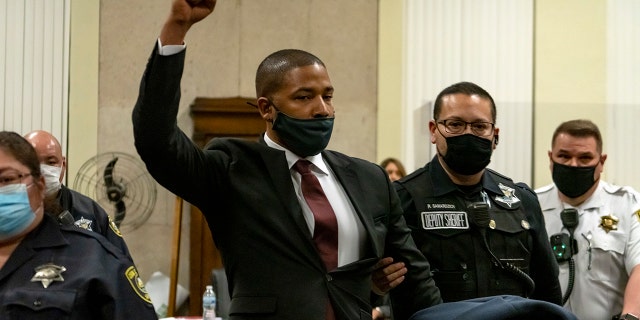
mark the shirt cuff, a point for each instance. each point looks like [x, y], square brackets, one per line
[170, 49]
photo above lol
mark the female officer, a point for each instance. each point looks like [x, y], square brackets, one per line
[49, 271]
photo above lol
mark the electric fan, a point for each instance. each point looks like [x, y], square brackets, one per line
[121, 185]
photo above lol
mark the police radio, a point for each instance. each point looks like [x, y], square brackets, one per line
[564, 246]
[480, 218]
[65, 218]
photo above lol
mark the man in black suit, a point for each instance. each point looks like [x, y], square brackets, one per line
[254, 199]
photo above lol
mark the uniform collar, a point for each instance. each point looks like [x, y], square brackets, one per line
[442, 184]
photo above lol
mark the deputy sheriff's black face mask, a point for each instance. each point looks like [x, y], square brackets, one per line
[467, 154]
[573, 181]
[304, 137]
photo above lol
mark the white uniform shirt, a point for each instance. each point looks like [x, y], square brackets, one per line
[600, 276]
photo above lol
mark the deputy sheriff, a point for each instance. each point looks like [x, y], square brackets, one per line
[500, 249]
[53, 271]
[83, 211]
[607, 262]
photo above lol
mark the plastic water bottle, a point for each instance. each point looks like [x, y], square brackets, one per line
[209, 304]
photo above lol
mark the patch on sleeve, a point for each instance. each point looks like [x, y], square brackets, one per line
[137, 284]
[114, 227]
[637, 214]
[433, 220]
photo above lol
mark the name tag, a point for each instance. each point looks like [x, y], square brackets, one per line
[433, 220]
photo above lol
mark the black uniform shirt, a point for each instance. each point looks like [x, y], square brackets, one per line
[60, 272]
[444, 230]
[89, 215]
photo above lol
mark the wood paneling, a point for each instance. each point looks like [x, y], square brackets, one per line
[212, 118]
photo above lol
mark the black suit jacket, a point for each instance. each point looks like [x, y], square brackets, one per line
[245, 192]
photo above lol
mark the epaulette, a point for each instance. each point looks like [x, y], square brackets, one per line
[545, 189]
[108, 246]
[612, 189]
[412, 175]
[526, 187]
[498, 174]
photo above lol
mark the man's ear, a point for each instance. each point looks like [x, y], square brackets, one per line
[64, 169]
[264, 107]
[495, 140]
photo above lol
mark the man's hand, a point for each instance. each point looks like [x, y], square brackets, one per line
[387, 275]
[184, 13]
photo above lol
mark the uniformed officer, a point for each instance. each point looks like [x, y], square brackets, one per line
[483, 234]
[86, 213]
[49, 271]
[607, 261]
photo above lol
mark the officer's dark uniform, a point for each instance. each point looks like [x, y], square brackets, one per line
[89, 215]
[64, 272]
[436, 211]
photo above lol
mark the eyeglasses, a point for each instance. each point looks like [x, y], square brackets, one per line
[10, 178]
[479, 128]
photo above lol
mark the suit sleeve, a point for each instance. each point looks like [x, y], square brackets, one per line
[418, 290]
[175, 161]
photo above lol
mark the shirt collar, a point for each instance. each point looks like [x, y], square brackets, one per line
[442, 184]
[292, 158]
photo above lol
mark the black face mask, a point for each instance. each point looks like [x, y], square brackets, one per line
[573, 181]
[304, 137]
[467, 154]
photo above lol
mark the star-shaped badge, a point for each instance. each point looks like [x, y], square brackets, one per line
[48, 273]
[84, 223]
[609, 223]
[509, 196]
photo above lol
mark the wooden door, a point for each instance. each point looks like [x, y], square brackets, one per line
[222, 117]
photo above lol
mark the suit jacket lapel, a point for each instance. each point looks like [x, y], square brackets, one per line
[280, 176]
[348, 177]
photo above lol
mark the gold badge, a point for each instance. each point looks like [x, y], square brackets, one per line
[84, 224]
[114, 227]
[48, 273]
[637, 213]
[609, 223]
[137, 284]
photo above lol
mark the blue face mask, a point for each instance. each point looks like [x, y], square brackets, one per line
[16, 214]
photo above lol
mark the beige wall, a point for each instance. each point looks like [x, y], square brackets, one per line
[569, 72]
[390, 80]
[83, 85]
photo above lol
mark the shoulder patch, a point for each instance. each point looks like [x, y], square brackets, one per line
[637, 214]
[137, 284]
[114, 227]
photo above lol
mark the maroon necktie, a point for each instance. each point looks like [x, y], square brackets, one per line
[325, 232]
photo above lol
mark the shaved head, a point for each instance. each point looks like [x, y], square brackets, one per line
[48, 149]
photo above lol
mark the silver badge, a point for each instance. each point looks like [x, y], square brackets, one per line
[48, 273]
[84, 223]
[509, 196]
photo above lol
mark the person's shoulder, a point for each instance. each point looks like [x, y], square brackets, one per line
[616, 189]
[545, 189]
[90, 241]
[498, 175]
[413, 176]
[333, 155]
[501, 178]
